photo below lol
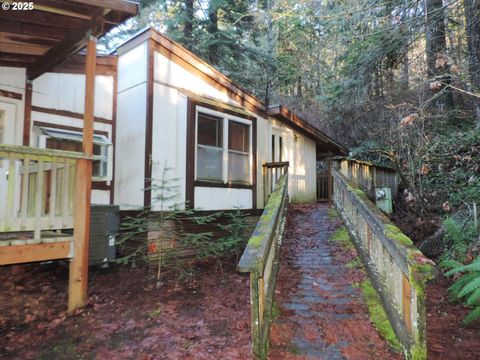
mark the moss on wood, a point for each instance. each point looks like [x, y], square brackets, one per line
[396, 234]
[378, 316]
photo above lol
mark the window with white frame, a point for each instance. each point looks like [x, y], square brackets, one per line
[72, 141]
[224, 147]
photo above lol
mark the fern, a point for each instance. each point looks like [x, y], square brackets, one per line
[467, 287]
[474, 298]
[472, 316]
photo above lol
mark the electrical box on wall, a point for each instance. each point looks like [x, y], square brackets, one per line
[383, 197]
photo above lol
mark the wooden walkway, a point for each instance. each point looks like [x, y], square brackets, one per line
[322, 313]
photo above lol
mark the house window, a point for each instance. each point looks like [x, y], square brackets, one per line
[209, 147]
[223, 148]
[238, 152]
[72, 141]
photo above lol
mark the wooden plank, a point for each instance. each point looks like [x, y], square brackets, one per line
[41, 18]
[69, 45]
[52, 208]
[27, 122]
[18, 254]
[25, 49]
[147, 193]
[11, 189]
[330, 181]
[407, 303]
[39, 200]
[78, 277]
[10, 95]
[25, 186]
[190, 161]
[17, 27]
[64, 194]
[261, 301]
[116, 5]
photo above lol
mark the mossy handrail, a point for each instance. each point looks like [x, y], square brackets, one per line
[261, 260]
[398, 270]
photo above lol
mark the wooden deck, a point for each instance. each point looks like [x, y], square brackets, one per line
[38, 189]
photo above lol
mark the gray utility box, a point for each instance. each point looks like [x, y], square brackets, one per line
[104, 223]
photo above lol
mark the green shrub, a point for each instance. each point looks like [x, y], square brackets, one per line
[459, 235]
[467, 287]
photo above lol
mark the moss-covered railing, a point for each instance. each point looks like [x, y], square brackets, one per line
[397, 269]
[261, 260]
[368, 176]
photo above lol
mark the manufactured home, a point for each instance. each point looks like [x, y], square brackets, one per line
[78, 129]
[175, 111]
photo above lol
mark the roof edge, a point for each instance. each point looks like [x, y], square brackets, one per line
[284, 114]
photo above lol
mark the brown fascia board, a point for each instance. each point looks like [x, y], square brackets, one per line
[289, 118]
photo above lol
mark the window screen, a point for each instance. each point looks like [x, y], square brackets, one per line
[238, 154]
[210, 147]
[210, 130]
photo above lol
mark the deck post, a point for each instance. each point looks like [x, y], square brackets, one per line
[78, 278]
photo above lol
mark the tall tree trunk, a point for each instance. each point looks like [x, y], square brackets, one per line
[188, 27]
[212, 29]
[270, 68]
[436, 42]
[436, 46]
[472, 17]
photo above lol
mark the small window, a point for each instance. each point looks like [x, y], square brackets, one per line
[210, 147]
[72, 141]
[238, 152]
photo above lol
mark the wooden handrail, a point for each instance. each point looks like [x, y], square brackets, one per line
[271, 175]
[261, 260]
[9, 150]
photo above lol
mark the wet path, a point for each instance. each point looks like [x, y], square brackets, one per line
[322, 316]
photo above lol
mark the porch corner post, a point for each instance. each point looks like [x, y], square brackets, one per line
[78, 277]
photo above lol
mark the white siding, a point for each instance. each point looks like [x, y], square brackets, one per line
[209, 198]
[169, 140]
[130, 128]
[14, 80]
[132, 68]
[168, 72]
[67, 92]
[300, 151]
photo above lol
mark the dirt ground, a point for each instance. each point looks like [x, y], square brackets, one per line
[447, 338]
[126, 317]
[208, 318]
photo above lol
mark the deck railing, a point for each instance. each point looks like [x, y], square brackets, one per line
[261, 260]
[271, 174]
[368, 176]
[37, 188]
[397, 269]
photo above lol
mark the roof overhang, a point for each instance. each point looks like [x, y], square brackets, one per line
[44, 37]
[325, 144]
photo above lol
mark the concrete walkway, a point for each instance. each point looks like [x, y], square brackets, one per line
[322, 314]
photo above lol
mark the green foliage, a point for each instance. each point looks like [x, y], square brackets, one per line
[160, 236]
[459, 235]
[467, 287]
